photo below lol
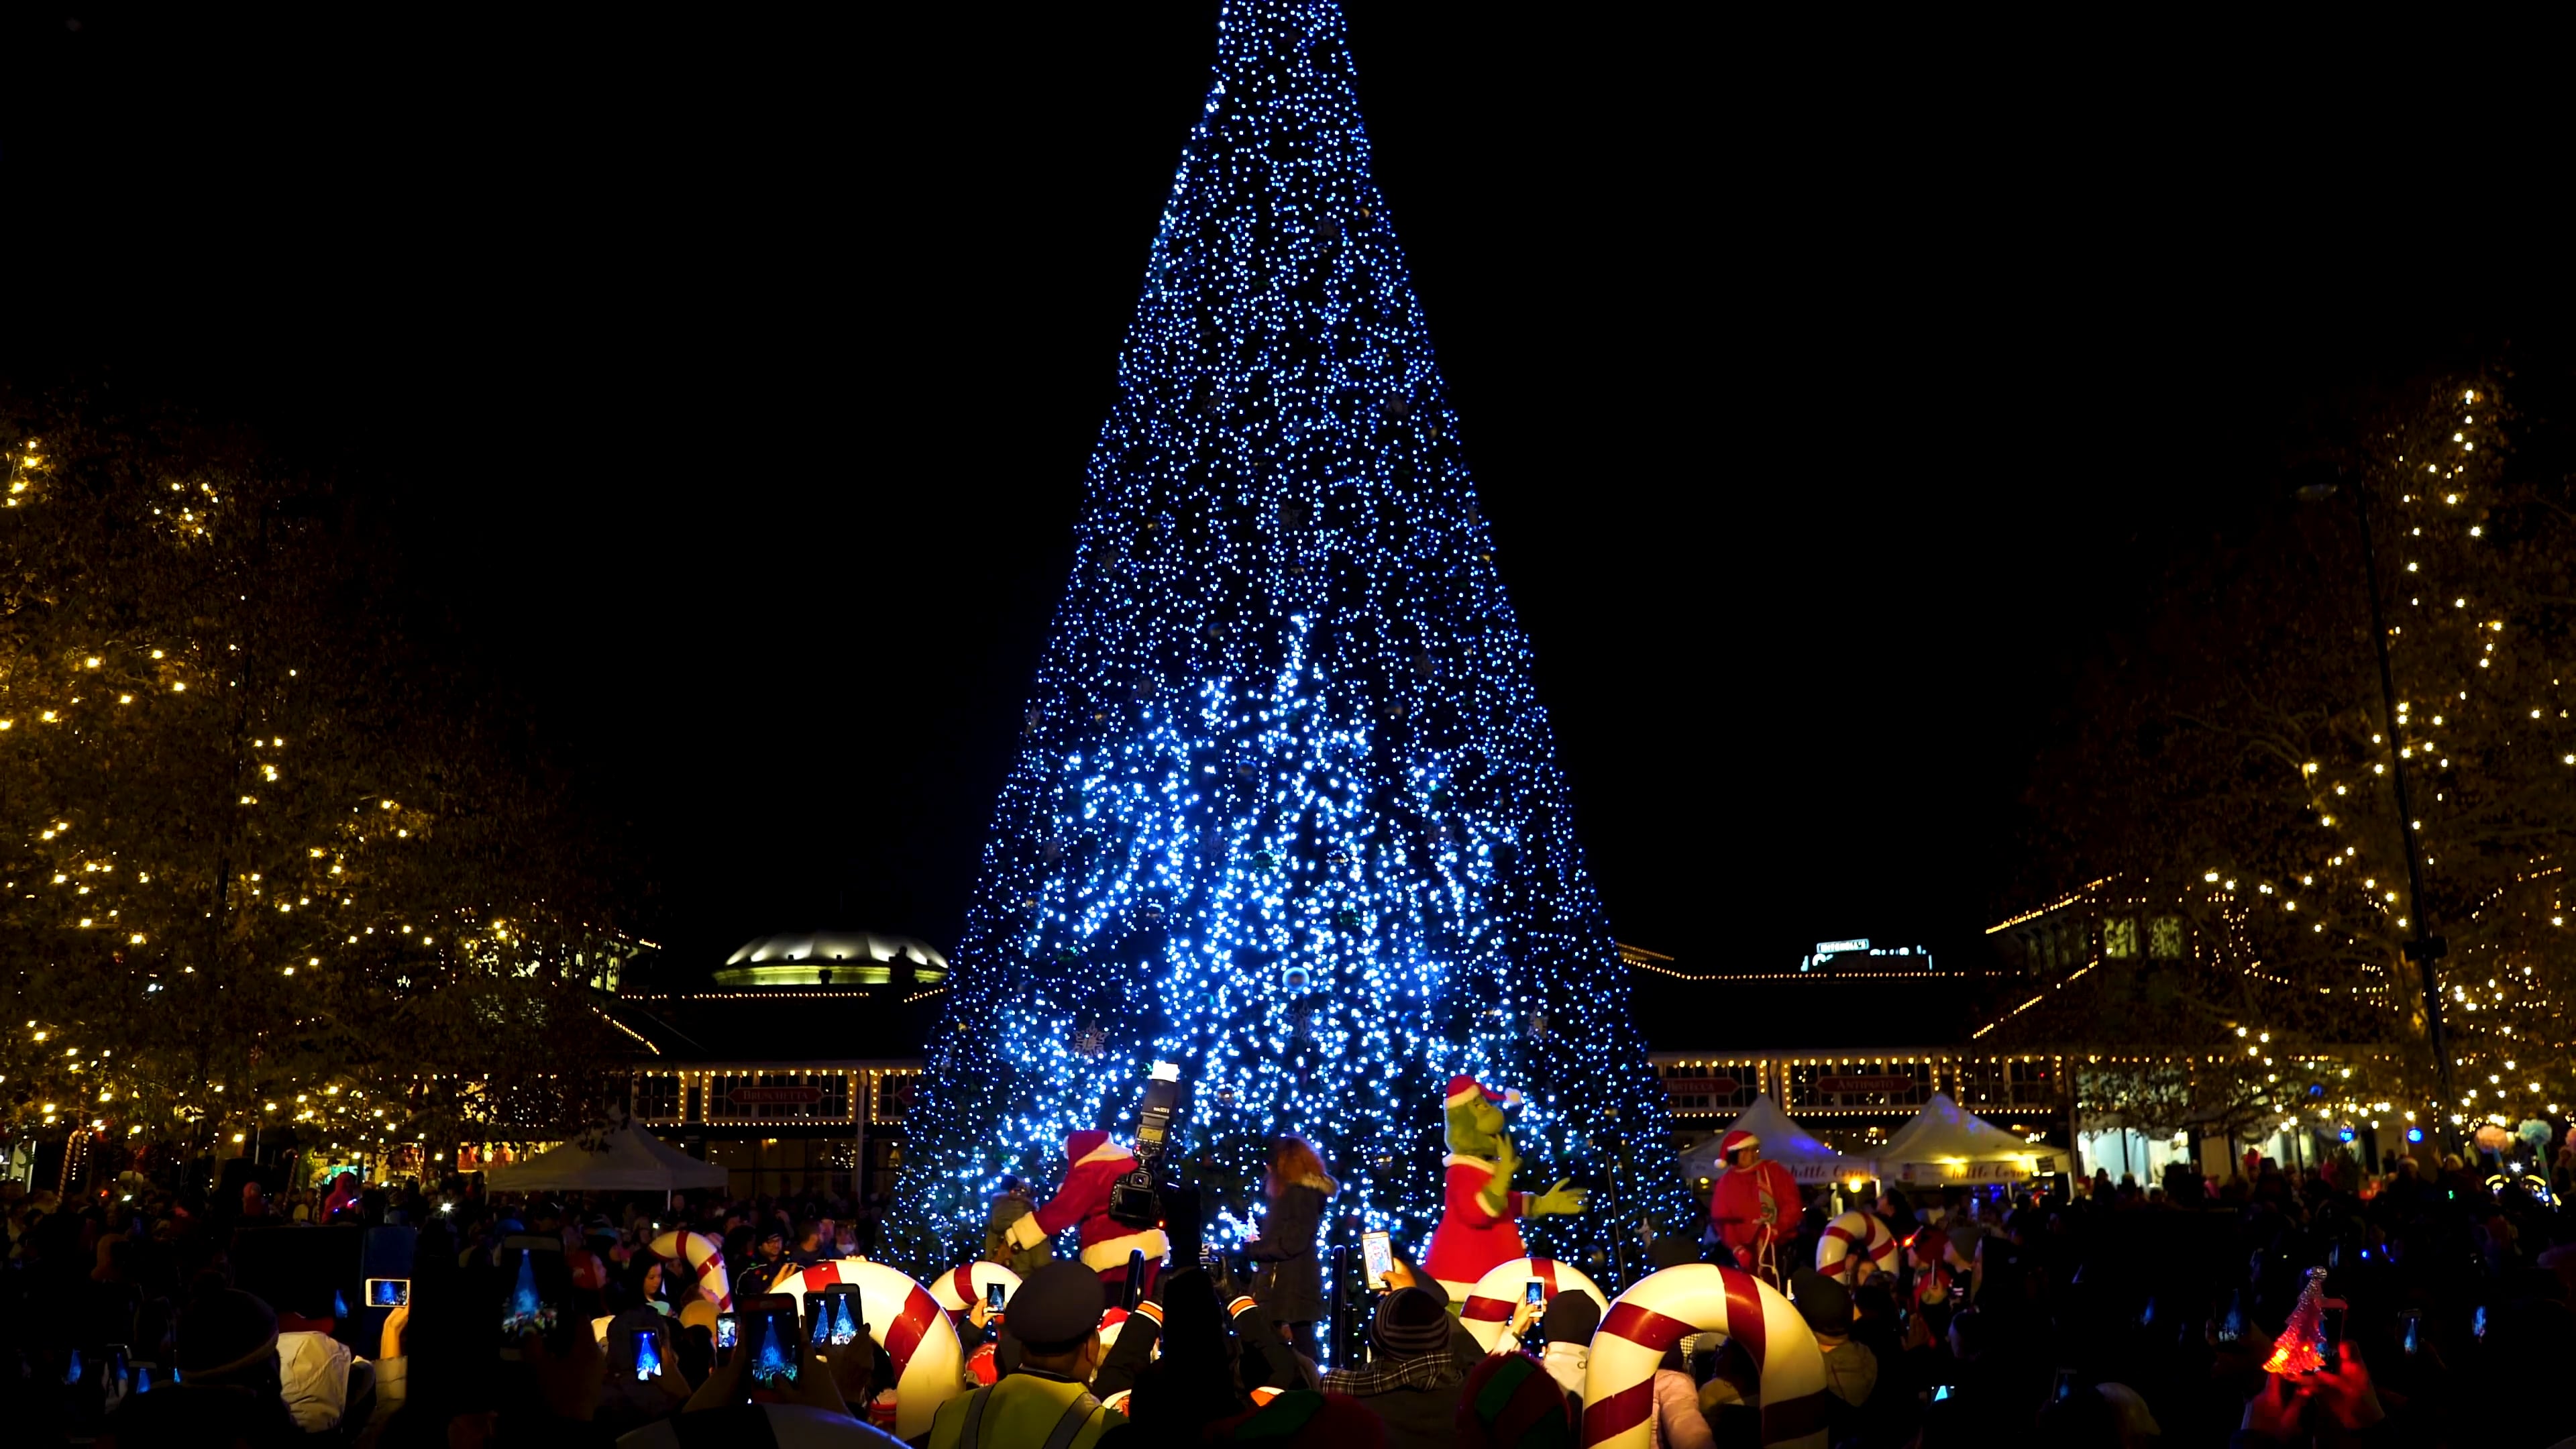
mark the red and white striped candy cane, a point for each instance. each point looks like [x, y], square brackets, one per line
[1648, 1319]
[1856, 1245]
[962, 1287]
[908, 1324]
[703, 1257]
[1490, 1303]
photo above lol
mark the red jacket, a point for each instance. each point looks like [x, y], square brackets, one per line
[1736, 1207]
[1471, 1240]
[1098, 1163]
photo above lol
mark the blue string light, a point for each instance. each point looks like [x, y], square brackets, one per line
[1287, 809]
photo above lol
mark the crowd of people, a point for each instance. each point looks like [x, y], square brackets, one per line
[2111, 1314]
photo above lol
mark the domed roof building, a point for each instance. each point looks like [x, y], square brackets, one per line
[825, 958]
[792, 1063]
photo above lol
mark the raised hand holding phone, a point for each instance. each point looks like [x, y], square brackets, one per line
[1377, 1254]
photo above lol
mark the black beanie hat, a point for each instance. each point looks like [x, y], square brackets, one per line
[1410, 1322]
[220, 1330]
[1572, 1317]
[1824, 1303]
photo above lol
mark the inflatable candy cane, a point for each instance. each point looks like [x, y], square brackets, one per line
[1856, 1245]
[908, 1324]
[1619, 1386]
[962, 1287]
[704, 1257]
[1490, 1303]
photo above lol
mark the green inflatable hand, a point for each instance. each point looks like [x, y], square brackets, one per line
[1562, 1200]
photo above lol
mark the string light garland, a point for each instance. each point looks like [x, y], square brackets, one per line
[1286, 810]
[220, 912]
[2306, 898]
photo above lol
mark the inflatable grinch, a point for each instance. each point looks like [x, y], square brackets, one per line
[1479, 1207]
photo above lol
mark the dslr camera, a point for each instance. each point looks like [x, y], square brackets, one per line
[1136, 1199]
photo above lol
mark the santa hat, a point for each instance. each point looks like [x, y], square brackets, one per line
[1082, 1144]
[1464, 1089]
[1736, 1141]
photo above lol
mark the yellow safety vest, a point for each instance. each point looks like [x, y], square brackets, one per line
[1023, 1411]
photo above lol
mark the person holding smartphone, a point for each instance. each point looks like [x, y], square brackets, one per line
[1290, 1280]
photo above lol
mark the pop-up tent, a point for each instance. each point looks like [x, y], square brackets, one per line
[1947, 1143]
[1783, 1141]
[623, 1158]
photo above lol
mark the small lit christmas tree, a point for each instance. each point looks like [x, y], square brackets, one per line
[2301, 1348]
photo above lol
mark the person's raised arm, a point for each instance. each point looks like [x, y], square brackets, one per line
[1133, 1350]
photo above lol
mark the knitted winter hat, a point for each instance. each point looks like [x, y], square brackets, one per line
[1409, 1322]
[220, 1330]
[1512, 1403]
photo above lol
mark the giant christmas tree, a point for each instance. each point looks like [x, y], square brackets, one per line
[1287, 810]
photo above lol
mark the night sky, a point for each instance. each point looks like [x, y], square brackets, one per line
[1831, 401]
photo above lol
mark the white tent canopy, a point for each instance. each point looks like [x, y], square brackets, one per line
[1946, 1142]
[1783, 1141]
[623, 1158]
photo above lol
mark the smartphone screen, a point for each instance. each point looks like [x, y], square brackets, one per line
[2330, 1335]
[844, 1317]
[648, 1354]
[1534, 1292]
[2478, 1322]
[1940, 1393]
[2065, 1388]
[388, 1292]
[1377, 1254]
[768, 1333]
[2410, 1325]
[2231, 1324]
[534, 1281]
[993, 1296]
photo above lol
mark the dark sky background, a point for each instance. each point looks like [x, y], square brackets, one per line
[1831, 396]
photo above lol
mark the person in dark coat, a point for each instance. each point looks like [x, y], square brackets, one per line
[1291, 1284]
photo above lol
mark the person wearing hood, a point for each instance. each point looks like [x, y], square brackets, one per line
[1291, 1285]
[1093, 1165]
[342, 1199]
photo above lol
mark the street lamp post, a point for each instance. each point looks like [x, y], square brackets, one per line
[2426, 948]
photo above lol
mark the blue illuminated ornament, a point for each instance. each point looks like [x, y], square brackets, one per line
[1286, 809]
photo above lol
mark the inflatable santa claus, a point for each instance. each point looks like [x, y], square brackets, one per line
[1096, 1165]
[1754, 1206]
[1479, 1207]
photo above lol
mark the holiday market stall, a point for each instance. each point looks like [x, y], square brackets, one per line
[1783, 1141]
[623, 1158]
[1947, 1143]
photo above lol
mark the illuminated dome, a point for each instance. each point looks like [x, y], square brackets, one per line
[832, 958]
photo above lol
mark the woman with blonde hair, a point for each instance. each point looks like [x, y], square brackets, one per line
[1291, 1281]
